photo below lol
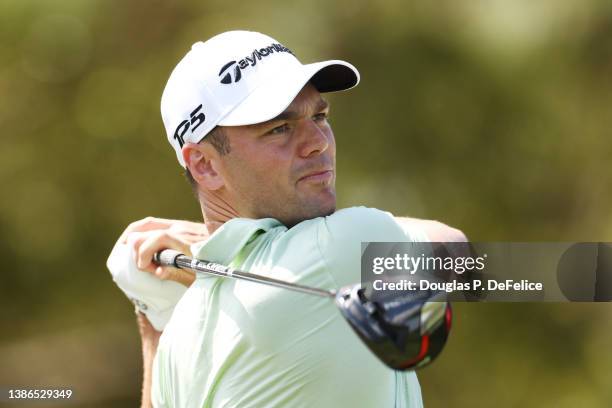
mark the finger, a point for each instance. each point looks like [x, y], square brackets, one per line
[155, 242]
[166, 272]
[134, 240]
[165, 240]
[178, 275]
[160, 273]
[146, 224]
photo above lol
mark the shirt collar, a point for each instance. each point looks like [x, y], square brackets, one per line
[227, 241]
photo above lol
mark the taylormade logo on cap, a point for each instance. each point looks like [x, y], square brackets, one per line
[239, 78]
[246, 62]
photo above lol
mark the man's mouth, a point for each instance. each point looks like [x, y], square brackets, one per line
[318, 176]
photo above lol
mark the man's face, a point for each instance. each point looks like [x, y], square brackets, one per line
[284, 168]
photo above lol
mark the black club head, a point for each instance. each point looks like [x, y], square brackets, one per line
[405, 330]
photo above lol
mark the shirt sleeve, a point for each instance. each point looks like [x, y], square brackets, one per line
[340, 236]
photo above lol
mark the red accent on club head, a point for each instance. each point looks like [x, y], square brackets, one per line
[448, 318]
[422, 353]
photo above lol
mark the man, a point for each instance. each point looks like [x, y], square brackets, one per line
[250, 125]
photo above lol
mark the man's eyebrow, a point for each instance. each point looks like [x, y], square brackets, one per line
[322, 104]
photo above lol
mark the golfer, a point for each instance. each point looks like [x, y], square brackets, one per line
[249, 123]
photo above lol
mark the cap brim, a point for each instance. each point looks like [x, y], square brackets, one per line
[273, 96]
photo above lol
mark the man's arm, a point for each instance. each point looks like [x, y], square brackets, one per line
[150, 339]
[148, 236]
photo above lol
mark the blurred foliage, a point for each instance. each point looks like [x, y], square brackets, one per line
[490, 116]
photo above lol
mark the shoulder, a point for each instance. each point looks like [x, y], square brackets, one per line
[435, 231]
[339, 239]
[359, 213]
[349, 216]
[363, 224]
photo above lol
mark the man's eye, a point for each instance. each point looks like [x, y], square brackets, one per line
[321, 116]
[279, 129]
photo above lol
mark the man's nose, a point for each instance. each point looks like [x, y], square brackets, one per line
[314, 139]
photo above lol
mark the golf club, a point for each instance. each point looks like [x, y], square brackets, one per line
[405, 330]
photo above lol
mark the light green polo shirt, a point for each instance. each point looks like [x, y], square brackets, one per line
[241, 344]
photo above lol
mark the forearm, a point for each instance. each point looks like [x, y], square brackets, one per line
[150, 340]
[148, 354]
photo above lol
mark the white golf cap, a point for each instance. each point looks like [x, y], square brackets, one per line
[239, 78]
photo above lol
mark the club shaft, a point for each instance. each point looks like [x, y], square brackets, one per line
[176, 259]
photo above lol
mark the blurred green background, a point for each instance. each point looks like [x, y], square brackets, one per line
[492, 116]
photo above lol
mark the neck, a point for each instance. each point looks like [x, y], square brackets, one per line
[216, 210]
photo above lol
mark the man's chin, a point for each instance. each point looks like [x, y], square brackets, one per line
[320, 210]
[310, 211]
[324, 204]
[324, 213]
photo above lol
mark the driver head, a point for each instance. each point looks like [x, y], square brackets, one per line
[406, 331]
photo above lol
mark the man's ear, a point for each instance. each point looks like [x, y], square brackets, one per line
[202, 160]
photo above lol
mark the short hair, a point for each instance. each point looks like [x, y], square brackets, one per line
[219, 140]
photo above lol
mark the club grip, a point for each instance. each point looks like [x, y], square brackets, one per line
[167, 257]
